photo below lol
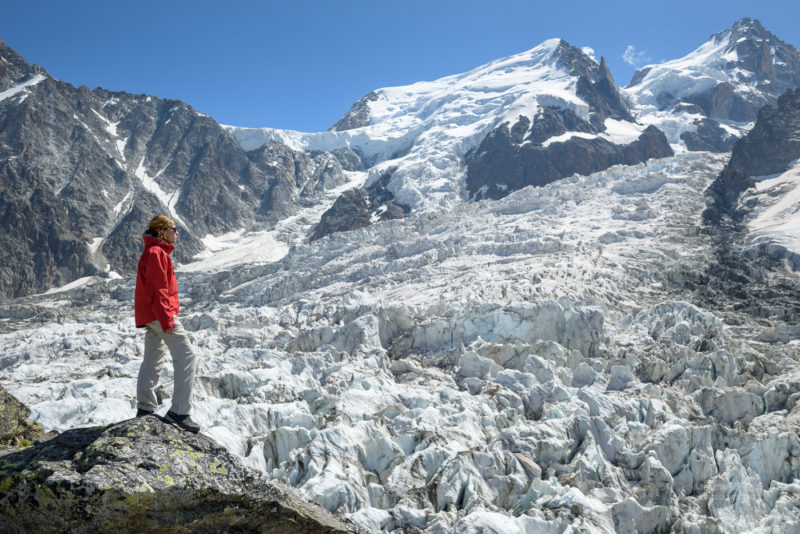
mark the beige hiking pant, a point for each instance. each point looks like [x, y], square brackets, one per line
[184, 364]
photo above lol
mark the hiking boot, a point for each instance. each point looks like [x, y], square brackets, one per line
[142, 413]
[183, 421]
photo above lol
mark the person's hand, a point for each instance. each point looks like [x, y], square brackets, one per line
[170, 330]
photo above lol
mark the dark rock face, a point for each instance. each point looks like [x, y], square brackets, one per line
[358, 208]
[292, 176]
[709, 136]
[774, 141]
[595, 85]
[505, 162]
[758, 281]
[81, 167]
[549, 122]
[144, 475]
[37, 252]
[358, 116]
[769, 148]
[723, 102]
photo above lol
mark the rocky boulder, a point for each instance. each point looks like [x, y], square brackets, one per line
[145, 475]
[15, 429]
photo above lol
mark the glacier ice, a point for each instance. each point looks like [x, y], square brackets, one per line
[541, 363]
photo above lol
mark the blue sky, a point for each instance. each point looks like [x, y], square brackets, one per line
[300, 65]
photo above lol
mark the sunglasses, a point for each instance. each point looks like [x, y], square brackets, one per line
[172, 229]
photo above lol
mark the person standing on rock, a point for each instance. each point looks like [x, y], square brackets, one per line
[156, 308]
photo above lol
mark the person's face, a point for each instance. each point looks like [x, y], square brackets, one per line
[172, 235]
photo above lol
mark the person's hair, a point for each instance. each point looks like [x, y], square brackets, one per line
[158, 226]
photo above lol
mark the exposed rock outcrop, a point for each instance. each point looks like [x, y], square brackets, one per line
[505, 161]
[293, 176]
[774, 141]
[357, 208]
[358, 115]
[753, 272]
[15, 428]
[709, 136]
[595, 85]
[145, 475]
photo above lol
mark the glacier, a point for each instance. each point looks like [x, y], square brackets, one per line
[532, 364]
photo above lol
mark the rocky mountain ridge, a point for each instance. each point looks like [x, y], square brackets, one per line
[83, 171]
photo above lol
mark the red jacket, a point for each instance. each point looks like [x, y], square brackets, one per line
[156, 288]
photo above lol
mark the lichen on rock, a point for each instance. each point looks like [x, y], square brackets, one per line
[145, 475]
[15, 428]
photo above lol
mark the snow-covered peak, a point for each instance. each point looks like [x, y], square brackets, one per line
[698, 71]
[746, 28]
[711, 97]
[545, 74]
[535, 71]
[423, 130]
[756, 66]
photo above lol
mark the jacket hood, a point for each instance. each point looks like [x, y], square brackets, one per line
[150, 241]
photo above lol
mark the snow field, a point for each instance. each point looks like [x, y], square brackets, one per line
[775, 226]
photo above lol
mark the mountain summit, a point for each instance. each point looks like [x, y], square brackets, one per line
[710, 97]
[425, 143]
